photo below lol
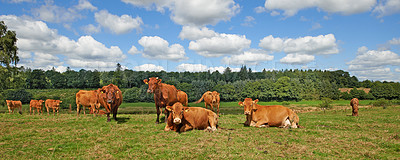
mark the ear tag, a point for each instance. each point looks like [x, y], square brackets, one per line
[187, 110]
[117, 91]
[146, 82]
[241, 104]
[102, 92]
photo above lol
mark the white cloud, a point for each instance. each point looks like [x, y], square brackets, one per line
[47, 45]
[195, 33]
[20, 1]
[149, 67]
[251, 57]
[91, 29]
[301, 50]
[249, 21]
[116, 24]
[345, 7]
[202, 68]
[85, 4]
[193, 12]
[55, 14]
[133, 50]
[395, 41]
[387, 7]
[297, 59]
[158, 48]
[260, 9]
[220, 45]
[374, 64]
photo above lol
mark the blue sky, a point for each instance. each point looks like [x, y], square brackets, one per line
[361, 37]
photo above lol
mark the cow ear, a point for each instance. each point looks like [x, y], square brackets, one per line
[168, 108]
[240, 103]
[186, 109]
[255, 101]
[159, 80]
[146, 81]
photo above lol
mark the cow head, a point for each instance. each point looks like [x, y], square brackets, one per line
[58, 103]
[249, 105]
[41, 101]
[9, 102]
[177, 112]
[110, 93]
[214, 96]
[153, 83]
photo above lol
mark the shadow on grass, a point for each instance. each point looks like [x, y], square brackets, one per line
[121, 120]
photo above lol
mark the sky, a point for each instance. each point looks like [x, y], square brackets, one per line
[361, 37]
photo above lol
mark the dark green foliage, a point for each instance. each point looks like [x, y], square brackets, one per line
[326, 103]
[18, 95]
[132, 95]
[381, 103]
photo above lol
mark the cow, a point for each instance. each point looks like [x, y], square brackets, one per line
[110, 97]
[354, 106]
[36, 104]
[87, 99]
[268, 116]
[188, 118]
[14, 104]
[164, 95]
[210, 99]
[53, 104]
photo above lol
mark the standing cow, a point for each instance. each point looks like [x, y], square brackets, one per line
[110, 97]
[268, 116]
[210, 99]
[14, 104]
[87, 99]
[354, 106]
[164, 95]
[53, 104]
[188, 118]
[36, 104]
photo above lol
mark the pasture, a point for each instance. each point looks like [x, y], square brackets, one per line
[375, 134]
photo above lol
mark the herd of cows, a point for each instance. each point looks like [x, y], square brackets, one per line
[179, 117]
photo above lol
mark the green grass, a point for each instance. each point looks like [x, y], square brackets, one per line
[330, 135]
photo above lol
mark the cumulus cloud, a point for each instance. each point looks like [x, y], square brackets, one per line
[219, 45]
[91, 29]
[193, 12]
[291, 7]
[374, 64]
[195, 33]
[133, 50]
[395, 41]
[157, 48]
[301, 50]
[202, 68]
[250, 57]
[85, 4]
[149, 67]
[118, 24]
[47, 45]
[387, 7]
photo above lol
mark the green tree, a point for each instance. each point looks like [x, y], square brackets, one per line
[9, 72]
[36, 80]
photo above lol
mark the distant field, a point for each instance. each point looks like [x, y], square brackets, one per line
[330, 135]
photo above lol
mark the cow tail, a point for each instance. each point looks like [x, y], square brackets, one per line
[200, 99]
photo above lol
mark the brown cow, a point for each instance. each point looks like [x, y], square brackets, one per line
[87, 99]
[268, 116]
[36, 104]
[14, 104]
[354, 106]
[110, 97]
[164, 95]
[53, 104]
[188, 118]
[210, 99]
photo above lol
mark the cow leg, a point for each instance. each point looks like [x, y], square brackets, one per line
[158, 114]
[166, 116]
[30, 110]
[205, 104]
[212, 107]
[115, 113]
[185, 128]
[77, 109]
[108, 117]
[218, 109]
[261, 124]
[84, 110]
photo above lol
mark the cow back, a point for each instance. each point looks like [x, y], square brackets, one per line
[275, 114]
[197, 117]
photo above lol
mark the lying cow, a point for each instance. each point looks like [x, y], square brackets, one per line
[268, 116]
[36, 104]
[210, 99]
[53, 104]
[354, 106]
[14, 104]
[87, 99]
[188, 118]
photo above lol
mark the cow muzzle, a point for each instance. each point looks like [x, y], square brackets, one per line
[247, 112]
[177, 121]
[149, 91]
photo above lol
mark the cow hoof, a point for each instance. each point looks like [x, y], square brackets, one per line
[157, 122]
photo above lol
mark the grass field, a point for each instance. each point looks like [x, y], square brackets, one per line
[375, 134]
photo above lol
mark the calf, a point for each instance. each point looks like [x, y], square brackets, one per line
[268, 116]
[87, 99]
[188, 118]
[36, 104]
[210, 99]
[53, 104]
[14, 104]
[354, 106]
